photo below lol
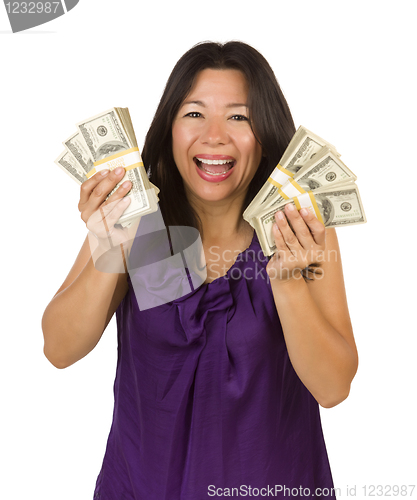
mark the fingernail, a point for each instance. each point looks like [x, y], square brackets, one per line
[125, 200]
[280, 215]
[291, 207]
[126, 184]
[304, 211]
[119, 170]
[104, 172]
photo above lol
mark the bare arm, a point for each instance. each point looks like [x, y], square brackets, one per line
[314, 316]
[78, 314]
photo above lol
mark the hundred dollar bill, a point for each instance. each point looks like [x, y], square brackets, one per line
[78, 148]
[111, 142]
[302, 147]
[70, 166]
[323, 169]
[335, 206]
[68, 163]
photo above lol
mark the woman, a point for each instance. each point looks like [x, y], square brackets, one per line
[216, 392]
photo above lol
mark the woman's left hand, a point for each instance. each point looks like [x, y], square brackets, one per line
[297, 247]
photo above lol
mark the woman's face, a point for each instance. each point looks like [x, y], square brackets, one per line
[213, 145]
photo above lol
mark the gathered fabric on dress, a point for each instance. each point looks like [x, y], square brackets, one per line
[205, 397]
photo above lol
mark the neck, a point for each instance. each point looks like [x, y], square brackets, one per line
[220, 220]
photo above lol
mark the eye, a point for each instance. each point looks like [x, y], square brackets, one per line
[239, 118]
[193, 114]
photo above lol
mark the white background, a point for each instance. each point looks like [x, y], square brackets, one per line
[348, 72]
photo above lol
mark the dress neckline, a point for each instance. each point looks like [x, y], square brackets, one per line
[235, 263]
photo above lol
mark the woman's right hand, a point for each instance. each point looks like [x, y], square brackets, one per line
[101, 214]
[109, 245]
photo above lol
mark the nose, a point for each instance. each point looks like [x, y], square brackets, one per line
[214, 132]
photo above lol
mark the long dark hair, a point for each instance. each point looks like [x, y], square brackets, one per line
[271, 122]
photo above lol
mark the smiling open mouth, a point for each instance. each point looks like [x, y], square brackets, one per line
[214, 167]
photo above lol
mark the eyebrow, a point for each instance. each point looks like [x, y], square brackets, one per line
[231, 105]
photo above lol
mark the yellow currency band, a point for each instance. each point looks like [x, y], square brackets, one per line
[297, 187]
[315, 206]
[275, 183]
[281, 193]
[111, 158]
[282, 169]
[297, 203]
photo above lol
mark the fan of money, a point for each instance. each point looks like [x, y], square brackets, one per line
[310, 175]
[107, 141]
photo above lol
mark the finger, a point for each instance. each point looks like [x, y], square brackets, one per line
[118, 207]
[299, 226]
[282, 248]
[93, 204]
[290, 239]
[316, 227]
[120, 192]
[103, 220]
[280, 265]
[88, 185]
[104, 187]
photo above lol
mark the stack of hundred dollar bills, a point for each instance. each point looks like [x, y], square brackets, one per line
[310, 175]
[107, 141]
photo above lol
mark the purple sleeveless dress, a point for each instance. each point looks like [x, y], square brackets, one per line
[207, 402]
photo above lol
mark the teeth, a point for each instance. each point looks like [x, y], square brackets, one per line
[213, 162]
[211, 173]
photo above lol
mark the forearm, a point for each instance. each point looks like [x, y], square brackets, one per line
[76, 317]
[322, 358]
